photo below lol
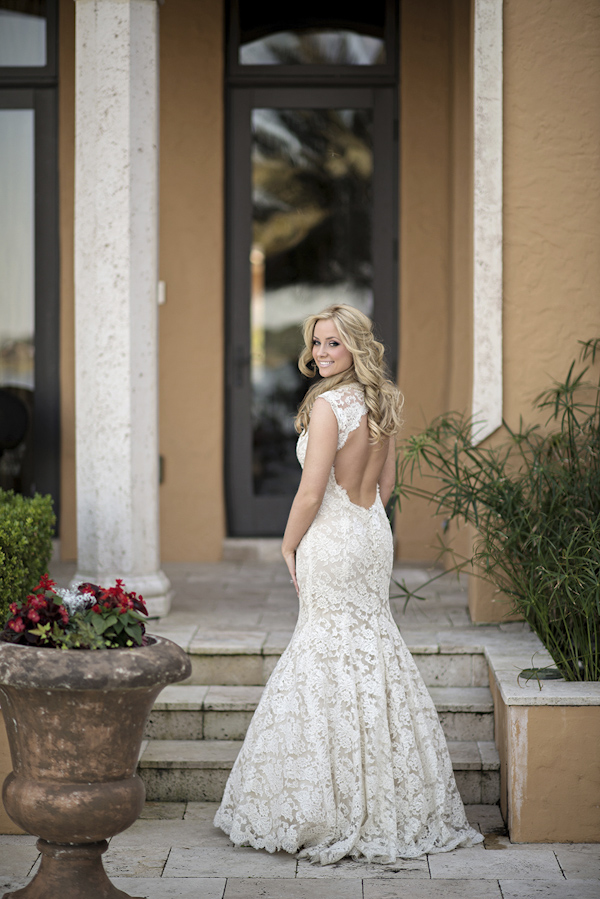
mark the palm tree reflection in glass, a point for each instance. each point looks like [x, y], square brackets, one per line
[311, 246]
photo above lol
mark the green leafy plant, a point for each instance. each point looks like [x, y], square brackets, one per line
[89, 617]
[26, 529]
[534, 501]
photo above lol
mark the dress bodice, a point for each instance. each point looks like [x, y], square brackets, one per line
[348, 405]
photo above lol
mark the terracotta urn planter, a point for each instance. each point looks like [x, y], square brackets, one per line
[75, 721]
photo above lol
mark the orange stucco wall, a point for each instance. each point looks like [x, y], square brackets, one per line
[435, 221]
[557, 787]
[551, 191]
[550, 771]
[192, 514]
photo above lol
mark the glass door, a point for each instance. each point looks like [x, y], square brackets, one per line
[311, 223]
[29, 323]
[17, 297]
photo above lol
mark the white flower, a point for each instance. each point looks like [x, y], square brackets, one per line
[72, 600]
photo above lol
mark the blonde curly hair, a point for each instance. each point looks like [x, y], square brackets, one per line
[382, 398]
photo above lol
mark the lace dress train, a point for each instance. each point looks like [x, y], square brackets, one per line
[345, 755]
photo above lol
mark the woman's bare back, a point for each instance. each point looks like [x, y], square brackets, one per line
[359, 465]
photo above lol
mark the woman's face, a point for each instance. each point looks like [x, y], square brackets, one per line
[328, 351]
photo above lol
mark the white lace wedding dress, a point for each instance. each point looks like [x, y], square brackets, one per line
[345, 755]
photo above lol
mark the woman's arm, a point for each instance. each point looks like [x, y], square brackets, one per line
[387, 479]
[320, 455]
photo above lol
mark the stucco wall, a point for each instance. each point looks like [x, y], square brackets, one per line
[549, 757]
[435, 223]
[550, 764]
[192, 511]
[551, 191]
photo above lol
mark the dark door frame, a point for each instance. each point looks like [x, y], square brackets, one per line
[36, 87]
[46, 424]
[248, 514]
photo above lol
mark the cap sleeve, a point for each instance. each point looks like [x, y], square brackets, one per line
[348, 406]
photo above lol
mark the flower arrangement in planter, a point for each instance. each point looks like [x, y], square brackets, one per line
[78, 678]
[89, 617]
[534, 501]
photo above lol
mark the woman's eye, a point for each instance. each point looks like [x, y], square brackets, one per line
[333, 343]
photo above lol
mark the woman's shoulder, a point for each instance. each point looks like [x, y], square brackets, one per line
[348, 404]
[344, 394]
[345, 399]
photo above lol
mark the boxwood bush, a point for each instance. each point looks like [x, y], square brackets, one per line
[26, 529]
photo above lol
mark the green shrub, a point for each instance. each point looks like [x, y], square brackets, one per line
[534, 501]
[26, 529]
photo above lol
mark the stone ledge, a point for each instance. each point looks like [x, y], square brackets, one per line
[506, 663]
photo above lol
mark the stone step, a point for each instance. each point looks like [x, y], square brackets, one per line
[247, 658]
[195, 712]
[180, 770]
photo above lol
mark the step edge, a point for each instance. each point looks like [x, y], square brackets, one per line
[146, 761]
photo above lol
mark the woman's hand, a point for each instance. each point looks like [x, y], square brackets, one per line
[290, 561]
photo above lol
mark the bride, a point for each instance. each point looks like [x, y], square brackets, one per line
[345, 755]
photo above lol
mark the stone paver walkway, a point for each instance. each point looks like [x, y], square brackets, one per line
[174, 852]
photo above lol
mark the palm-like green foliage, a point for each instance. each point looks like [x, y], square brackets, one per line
[534, 501]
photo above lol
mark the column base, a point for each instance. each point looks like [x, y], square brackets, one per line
[154, 588]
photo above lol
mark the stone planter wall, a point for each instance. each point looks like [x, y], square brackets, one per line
[548, 739]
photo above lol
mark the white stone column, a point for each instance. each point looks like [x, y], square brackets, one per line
[116, 227]
[487, 216]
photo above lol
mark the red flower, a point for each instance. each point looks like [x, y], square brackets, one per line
[17, 625]
[33, 615]
[46, 583]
